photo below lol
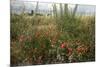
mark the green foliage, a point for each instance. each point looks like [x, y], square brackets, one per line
[42, 40]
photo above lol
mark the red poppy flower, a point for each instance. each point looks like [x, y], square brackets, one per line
[63, 45]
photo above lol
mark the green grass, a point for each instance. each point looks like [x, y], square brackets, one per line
[39, 39]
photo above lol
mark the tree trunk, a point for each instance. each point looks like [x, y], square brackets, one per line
[61, 10]
[55, 11]
[66, 9]
[74, 11]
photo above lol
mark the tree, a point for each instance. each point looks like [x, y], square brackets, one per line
[66, 9]
[61, 10]
[74, 11]
[55, 11]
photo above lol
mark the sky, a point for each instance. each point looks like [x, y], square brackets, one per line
[17, 6]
